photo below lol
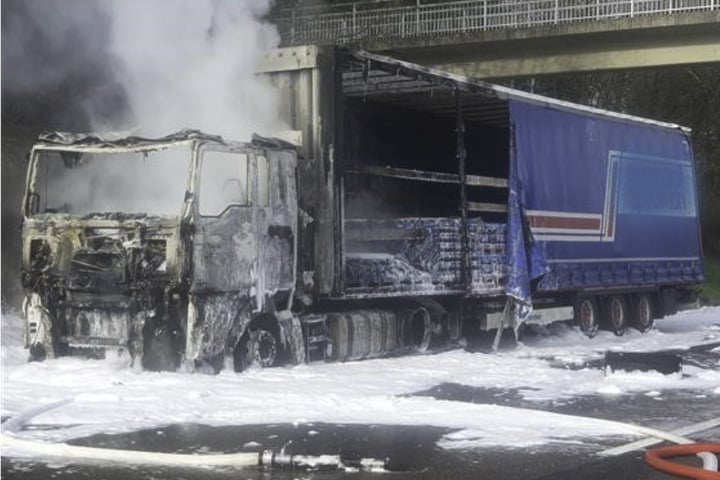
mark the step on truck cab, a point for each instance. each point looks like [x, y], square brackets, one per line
[418, 210]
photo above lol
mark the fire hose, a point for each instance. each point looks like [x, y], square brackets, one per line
[267, 458]
[656, 457]
[271, 458]
[707, 451]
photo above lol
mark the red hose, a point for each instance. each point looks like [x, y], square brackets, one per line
[656, 459]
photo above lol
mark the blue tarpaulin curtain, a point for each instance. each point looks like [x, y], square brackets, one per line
[525, 259]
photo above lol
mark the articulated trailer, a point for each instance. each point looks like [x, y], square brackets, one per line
[417, 208]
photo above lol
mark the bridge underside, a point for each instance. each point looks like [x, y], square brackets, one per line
[680, 39]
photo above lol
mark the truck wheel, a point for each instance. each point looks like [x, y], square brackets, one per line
[643, 314]
[262, 348]
[587, 316]
[418, 330]
[37, 353]
[616, 315]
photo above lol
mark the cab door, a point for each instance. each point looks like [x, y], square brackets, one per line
[246, 231]
[243, 246]
[225, 243]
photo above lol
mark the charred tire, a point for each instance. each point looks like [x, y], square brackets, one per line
[587, 316]
[260, 346]
[418, 329]
[37, 353]
[262, 349]
[339, 332]
[616, 314]
[643, 316]
[53, 348]
[359, 334]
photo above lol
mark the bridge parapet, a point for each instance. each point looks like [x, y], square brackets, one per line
[355, 22]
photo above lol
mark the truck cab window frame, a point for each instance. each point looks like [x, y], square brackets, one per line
[224, 181]
[263, 181]
[85, 182]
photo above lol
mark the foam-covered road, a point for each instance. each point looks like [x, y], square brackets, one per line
[450, 415]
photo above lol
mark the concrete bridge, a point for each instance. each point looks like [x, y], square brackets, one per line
[511, 38]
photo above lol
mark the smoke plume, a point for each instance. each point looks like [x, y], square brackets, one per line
[148, 66]
[190, 63]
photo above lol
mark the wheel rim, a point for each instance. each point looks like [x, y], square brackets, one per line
[262, 349]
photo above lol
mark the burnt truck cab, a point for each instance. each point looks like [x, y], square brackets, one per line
[179, 249]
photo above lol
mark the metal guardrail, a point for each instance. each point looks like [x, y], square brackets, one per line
[349, 22]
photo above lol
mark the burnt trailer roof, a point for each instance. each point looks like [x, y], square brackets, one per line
[396, 82]
[111, 141]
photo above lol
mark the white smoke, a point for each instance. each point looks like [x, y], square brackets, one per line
[151, 66]
[191, 64]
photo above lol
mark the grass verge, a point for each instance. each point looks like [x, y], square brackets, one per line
[711, 290]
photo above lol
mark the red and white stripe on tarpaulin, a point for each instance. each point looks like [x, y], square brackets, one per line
[570, 226]
[556, 226]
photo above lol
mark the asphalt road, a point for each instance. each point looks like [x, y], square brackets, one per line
[412, 451]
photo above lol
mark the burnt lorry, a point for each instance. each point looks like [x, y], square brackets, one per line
[415, 210]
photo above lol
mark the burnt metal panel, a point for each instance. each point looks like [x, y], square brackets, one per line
[279, 238]
[225, 251]
[309, 101]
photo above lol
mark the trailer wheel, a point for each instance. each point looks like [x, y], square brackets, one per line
[643, 314]
[587, 316]
[616, 314]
